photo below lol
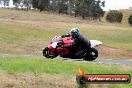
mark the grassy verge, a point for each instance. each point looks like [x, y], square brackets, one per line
[64, 69]
[30, 31]
[19, 64]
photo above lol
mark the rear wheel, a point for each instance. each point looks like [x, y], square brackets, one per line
[92, 55]
[47, 54]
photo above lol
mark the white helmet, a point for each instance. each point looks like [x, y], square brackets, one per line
[74, 32]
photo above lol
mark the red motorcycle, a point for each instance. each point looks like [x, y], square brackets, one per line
[54, 49]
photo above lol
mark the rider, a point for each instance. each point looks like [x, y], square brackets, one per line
[79, 40]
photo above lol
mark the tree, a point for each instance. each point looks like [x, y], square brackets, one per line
[89, 8]
[53, 5]
[97, 10]
[5, 2]
[114, 16]
[63, 6]
[41, 4]
[130, 20]
[71, 7]
[83, 8]
[16, 1]
[27, 2]
[77, 7]
[35, 3]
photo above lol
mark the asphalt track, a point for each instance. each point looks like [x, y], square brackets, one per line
[67, 59]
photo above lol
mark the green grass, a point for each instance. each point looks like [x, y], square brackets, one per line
[69, 69]
[112, 36]
[21, 64]
[17, 34]
[44, 29]
[27, 32]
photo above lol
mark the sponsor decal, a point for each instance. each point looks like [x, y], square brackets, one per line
[83, 78]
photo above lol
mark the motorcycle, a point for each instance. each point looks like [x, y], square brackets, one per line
[54, 49]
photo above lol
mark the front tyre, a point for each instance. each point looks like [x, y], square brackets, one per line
[47, 54]
[92, 55]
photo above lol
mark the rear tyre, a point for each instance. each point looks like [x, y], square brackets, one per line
[92, 55]
[47, 54]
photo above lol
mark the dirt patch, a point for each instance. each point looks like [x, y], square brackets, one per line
[18, 49]
[111, 52]
[30, 80]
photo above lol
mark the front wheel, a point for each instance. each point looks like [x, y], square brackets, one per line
[47, 54]
[92, 55]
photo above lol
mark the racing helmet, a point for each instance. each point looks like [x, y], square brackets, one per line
[74, 32]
